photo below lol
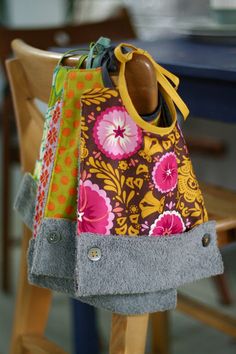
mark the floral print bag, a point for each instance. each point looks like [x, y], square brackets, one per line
[119, 221]
[138, 173]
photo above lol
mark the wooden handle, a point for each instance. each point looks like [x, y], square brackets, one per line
[142, 84]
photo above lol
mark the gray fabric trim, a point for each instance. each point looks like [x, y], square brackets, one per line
[135, 304]
[134, 275]
[64, 285]
[24, 202]
[145, 264]
[124, 304]
[55, 257]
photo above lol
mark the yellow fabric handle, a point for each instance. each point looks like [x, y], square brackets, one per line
[163, 76]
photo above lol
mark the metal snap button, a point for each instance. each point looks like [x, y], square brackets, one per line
[206, 240]
[53, 237]
[94, 254]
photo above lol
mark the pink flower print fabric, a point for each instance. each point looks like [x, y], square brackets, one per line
[168, 223]
[95, 211]
[165, 173]
[136, 181]
[116, 134]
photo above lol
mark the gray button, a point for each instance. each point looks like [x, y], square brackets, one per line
[53, 237]
[206, 240]
[94, 254]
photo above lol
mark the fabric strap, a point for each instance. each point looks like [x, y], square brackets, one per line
[74, 52]
[163, 76]
[94, 55]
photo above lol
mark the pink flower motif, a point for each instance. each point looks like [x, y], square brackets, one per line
[171, 205]
[165, 173]
[95, 210]
[168, 223]
[56, 112]
[116, 134]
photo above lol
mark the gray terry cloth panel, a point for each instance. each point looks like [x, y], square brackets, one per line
[25, 199]
[128, 264]
[136, 303]
[124, 304]
[65, 285]
[55, 249]
[144, 264]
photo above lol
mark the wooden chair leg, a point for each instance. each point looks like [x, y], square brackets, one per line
[128, 334]
[208, 315]
[223, 289]
[5, 196]
[160, 332]
[224, 238]
[32, 305]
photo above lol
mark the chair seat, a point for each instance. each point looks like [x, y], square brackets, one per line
[219, 201]
[221, 206]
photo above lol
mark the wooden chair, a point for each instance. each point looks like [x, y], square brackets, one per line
[116, 28]
[128, 333]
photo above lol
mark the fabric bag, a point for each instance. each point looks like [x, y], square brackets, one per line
[132, 227]
[53, 126]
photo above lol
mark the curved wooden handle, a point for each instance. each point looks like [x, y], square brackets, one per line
[142, 84]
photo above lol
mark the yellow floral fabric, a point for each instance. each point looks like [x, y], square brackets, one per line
[133, 181]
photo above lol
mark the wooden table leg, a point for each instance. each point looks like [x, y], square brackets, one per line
[128, 334]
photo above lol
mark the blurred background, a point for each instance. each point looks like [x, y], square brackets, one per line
[151, 20]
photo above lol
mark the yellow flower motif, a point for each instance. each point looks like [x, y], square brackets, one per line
[187, 183]
[133, 231]
[133, 209]
[84, 153]
[150, 204]
[83, 127]
[97, 95]
[83, 124]
[123, 165]
[188, 188]
[151, 147]
[84, 150]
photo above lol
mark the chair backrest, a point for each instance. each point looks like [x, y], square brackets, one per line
[117, 27]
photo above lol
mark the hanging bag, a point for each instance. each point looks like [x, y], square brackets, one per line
[137, 227]
[67, 86]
